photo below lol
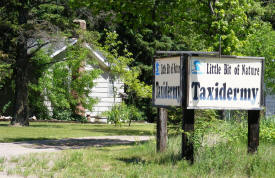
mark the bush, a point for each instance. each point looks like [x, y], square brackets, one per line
[267, 130]
[60, 114]
[67, 115]
[123, 113]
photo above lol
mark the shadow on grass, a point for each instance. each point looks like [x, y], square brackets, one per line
[47, 126]
[157, 159]
[36, 125]
[168, 159]
[74, 143]
[119, 131]
[8, 140]
[133, 160]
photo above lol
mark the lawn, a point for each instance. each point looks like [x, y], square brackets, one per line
[141, 160]
[47, 130]
[220, 151]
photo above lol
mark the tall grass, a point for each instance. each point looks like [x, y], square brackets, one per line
[220, 151]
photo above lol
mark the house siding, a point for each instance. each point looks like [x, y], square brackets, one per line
[102, 91]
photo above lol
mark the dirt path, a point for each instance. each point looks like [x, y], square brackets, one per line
[9, 150]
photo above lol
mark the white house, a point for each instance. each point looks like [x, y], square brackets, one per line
[104, 88]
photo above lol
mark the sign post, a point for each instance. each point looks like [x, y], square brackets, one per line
[253, 130]
[188, 116]
[167, 92]
[201, 80]
[162, 137]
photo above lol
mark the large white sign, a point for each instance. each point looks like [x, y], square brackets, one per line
[167, 86]
[224, 83]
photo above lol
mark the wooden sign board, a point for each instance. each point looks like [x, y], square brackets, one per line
[225, 83]
[167, 88]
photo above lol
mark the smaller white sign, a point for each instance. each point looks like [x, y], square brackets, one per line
[224, 83]
[167, 86]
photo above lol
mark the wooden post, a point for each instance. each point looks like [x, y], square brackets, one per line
[188, 127]
[253, 130]
[162, 130]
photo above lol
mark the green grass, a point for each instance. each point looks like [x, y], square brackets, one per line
[44, 130]
[2, 160]
[220, 151]
[141, 160]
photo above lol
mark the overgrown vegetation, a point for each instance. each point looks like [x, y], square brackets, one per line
[130, 33]
[121, 113]
[220, 151]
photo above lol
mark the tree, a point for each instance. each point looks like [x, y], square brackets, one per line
[64, 82]
[150, 25]
[22, 22]
[143, 26]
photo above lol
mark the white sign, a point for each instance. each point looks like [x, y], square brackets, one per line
[167, 86]
[226, 83]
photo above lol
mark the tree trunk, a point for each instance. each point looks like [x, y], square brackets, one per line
[21, 107]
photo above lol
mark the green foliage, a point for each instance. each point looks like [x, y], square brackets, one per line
[115, 115]
[215, 157]
[61, 77]
[27, 26]
[145, 27]
[175, 115]
[67, 115]
[119, 67]
[120, 113]
[5, 107]
[267, 130]
[5, 68]
[261, 42]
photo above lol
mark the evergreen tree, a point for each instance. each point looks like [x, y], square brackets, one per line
[22, 23]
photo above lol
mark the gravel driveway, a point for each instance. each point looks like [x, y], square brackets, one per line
[18, 148]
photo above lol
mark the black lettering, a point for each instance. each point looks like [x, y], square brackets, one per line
[210, 92]
[254, 92]
[229, 93]
[157, 90]
[222, 92]
[196, 85]
[216, 91]
[244, 93]
[236, 90]
[202, 93]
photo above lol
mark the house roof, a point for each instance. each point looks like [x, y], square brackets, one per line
[55, 48]
[95, 53]
[60, 47]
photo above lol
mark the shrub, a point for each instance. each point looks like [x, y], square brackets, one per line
[67, 115]
[123, 113]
